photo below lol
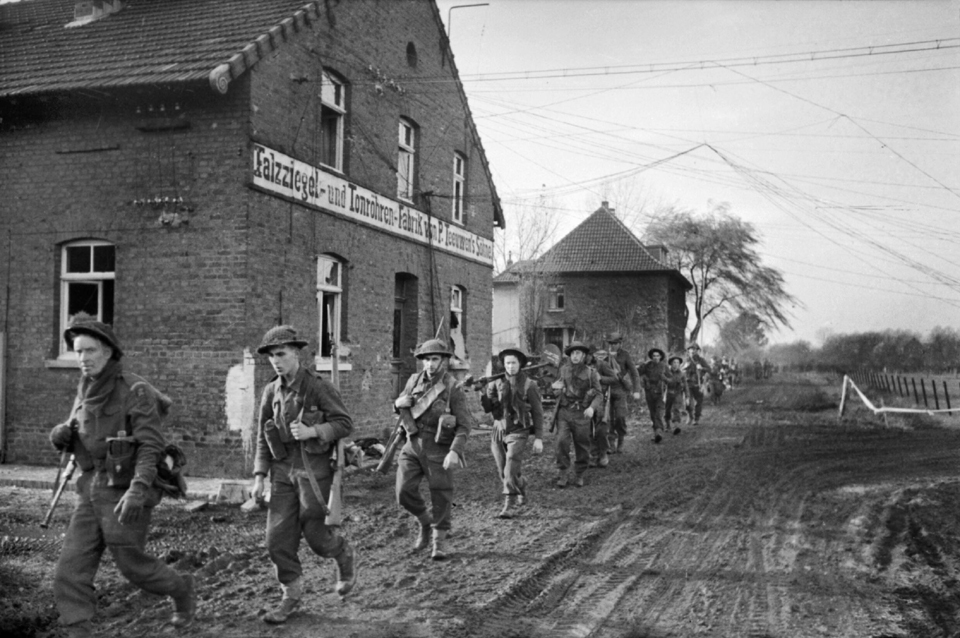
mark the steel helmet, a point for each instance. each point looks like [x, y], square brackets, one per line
[280, 336]
[433, 346]
[85, 324]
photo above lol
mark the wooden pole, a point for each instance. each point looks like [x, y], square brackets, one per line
[916, 397]
[923, 388]
[936, 399]
[946, 396]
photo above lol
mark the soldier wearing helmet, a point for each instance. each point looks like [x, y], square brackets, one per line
[301, 417]
[515, 402]
[114, 432]
[695, 367]
[628, 381]
[579, 398]
[435, 444]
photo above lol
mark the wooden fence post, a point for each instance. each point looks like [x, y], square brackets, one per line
[946, 396]
[923, 388]
[936, 399]
[916, 397]
[899, 389]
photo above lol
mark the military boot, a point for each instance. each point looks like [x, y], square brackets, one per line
[604, 460]
[347, 563]
[423, 538]
[79, 630]
[508, 510]
[439, 544]
[185, 604]
[279, 614]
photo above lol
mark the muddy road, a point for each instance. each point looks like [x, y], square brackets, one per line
[769, 519]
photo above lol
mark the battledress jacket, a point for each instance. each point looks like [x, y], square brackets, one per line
[651, 377]
[126, 404]
[529, 416]
[322, 407]
[629, 376]
[419, 384]
[581, 388]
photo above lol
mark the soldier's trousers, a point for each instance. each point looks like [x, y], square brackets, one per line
[573, 427]
[655, 405]
[599, 442]
[695, 402]
[422, 457]
[672, 406]
[508, 455]
[93, 528]
[295, 512]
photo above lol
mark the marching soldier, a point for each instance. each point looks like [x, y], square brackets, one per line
[518, 413]
[600, 441]
[114, 434]
[676, 384]
[435, 444]
[694, 367]
[624, 369]
[301, 418]
[580, 397]
[651, 378]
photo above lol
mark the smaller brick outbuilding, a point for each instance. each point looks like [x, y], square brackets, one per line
[597, 279]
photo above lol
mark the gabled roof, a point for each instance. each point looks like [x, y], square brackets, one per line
[511, 274]
[602, 243]
[147, 42]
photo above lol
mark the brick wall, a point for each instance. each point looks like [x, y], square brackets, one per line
[193, 297]
[642, 307]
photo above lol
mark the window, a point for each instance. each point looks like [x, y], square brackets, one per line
[329, 305]
[406, 161]
[556, 302]
[459, 186]
[457, 332]
[333, 110]
[87, 273]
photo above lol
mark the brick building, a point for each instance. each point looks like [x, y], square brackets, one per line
[597, 279]
[197, 172]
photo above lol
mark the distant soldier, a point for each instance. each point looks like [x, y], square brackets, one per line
[599, 440]
[767, 368]
[676, 385]
[518, 413]
[651, 378]
[579, 398]
[694, 367]
[757, 370]
[625, 371]
[301, 418]
[435, 444]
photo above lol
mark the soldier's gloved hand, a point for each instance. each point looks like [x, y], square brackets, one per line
[452, 460]
[499, 428]
[131, 503]
[62, 436]
[588, 413]
[258, 488]
[404, 401]
[301, 431]
[537, 446]
[636, 396]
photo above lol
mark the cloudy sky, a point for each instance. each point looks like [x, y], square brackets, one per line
[833, 127]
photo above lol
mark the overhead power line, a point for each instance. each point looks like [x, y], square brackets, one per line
[661, 67]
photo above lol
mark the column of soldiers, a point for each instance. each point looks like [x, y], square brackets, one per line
[301, 418]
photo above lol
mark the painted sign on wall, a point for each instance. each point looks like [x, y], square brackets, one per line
[283, 175]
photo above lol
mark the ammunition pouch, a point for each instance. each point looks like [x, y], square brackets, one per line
[121, 461]
[446, 429]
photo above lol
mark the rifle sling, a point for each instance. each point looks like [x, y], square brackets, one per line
[313, 480]
[424, 402]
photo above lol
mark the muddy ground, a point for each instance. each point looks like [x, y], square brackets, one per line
[770, 519]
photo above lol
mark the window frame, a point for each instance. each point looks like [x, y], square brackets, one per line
[556, 298]
[457, 302]
[335, 290]
[338, 107]
[95, 277]
[406, 159]
[459, 187]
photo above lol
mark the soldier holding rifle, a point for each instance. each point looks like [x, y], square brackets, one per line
[694, 367]
[301, 419]
[599, 438]
[628, 381]
[580, 397]
[514, 400]
[651, 378]
[114, 434]
[436, 427]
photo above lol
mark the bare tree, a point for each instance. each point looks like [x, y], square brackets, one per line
[531, 230]
[718, 253]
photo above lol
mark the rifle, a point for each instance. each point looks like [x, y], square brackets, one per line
[404, 422]
[334, 516]
[478, 384]
[67, 475]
